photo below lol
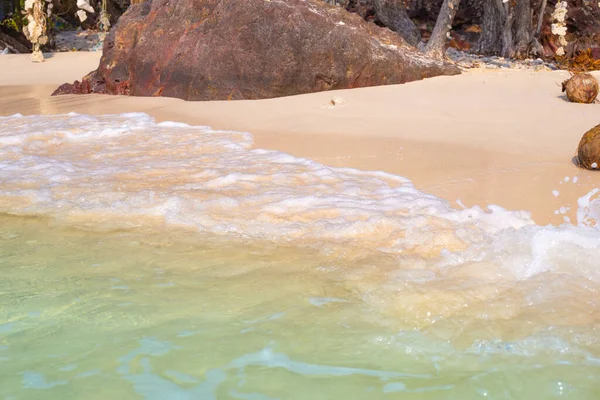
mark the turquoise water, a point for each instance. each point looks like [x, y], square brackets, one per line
[161, 261]
[128, 315]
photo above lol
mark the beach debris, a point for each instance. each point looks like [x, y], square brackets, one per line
[337, 101]
[585, 60]
[559, 26]
[582, 87]
[80, 40]
[466, 60]
[37, 13]
[83, 7]
[35, 30]
[13, 45]
[104, 22]
[588, 151]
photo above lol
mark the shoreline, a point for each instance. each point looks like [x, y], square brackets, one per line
[485, 137]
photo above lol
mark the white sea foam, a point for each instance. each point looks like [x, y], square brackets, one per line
[588, 213]
[472, 277]
[124, 168]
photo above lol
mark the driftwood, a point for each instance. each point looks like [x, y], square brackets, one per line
[13, 45]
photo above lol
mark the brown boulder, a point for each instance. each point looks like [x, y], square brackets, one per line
[250, 49]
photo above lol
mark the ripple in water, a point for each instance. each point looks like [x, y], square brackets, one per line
[168, 261]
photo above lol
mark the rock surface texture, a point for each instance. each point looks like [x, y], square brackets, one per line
[251, 49]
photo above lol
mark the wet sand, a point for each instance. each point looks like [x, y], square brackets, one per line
[493, 137]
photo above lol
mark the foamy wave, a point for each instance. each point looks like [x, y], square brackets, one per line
[463, 275]
[117, 170]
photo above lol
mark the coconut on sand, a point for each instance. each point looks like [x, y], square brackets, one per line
[588, 152]
[581, 88]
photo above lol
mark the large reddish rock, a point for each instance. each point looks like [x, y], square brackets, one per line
[250, 49]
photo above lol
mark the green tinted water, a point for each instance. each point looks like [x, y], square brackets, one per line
[133, 316]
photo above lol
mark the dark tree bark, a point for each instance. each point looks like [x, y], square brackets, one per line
[443, 24]
[512, 28]
[392, 14]
[507, 36]
[523, 28]
[490, 42]
[538, 28]
[508, 30]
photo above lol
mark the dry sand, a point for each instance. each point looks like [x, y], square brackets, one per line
[486, 137]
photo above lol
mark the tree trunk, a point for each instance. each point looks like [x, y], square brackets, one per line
[538, 28]
[490, 42]
[443, 24]
[507, 36]
[392, 14]
[523, 28]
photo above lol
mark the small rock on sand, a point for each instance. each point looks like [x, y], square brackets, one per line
[337, 101]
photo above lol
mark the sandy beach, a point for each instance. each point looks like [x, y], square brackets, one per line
[498, 137]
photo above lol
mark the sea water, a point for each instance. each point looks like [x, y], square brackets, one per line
[163, 261]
